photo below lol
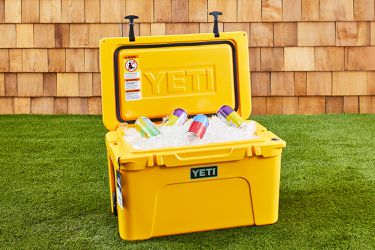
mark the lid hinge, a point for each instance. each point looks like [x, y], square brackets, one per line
[216, 15]
[131, 27]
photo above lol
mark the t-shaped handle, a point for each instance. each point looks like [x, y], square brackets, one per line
[216, 15]
[131, 26]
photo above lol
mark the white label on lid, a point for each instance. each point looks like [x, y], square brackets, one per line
[133, 96]
[132, 85]
[132, 75]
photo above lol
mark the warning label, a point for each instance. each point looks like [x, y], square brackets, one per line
[133, 85]
[132, 77]
[131, 65]
[133, 96]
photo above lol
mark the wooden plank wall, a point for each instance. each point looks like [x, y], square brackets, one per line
[307, 56]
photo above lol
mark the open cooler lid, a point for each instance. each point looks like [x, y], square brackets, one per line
[153, 75]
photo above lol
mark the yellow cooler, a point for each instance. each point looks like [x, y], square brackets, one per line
[190, 188]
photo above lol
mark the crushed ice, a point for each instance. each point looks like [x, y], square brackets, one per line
[175, 136]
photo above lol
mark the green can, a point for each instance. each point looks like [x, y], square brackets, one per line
[146, 127]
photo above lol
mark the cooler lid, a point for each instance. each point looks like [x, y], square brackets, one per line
[152, 76]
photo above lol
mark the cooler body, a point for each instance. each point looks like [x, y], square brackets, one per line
[174, 191]
[190, 188]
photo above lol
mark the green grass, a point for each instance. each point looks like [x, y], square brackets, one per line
[54, 187]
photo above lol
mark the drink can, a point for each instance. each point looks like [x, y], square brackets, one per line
[146, 127]
[178, 117]
[198, 127]
[230, 117]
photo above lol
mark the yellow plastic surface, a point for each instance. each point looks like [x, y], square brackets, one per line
[201, 74]
[160, 198]
[198, 78]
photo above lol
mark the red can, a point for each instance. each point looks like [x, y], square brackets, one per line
[197, 128]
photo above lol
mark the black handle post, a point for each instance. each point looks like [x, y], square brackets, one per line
[131, 27]
[216, 15]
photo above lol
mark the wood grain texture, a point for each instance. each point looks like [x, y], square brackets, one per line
[50, 11]
[30, 11]
[34, 60]
[272, 10]
[316, 34]
[305, 56]
[2, 84]
[364, 10]
[92, 11]
[30, 84]
[15, 60]
[274, 105]
[94, 105]
[261, 34]
[310, 10]
[77, 105]
[285, 34]
[4, 60]
[112, 11]
[6, 106]
[351, 104]
[12, 9]
[299, 59]
[259, 105]
[56, 60]
[349, 83]
[319, 83]
[336, 10]
[300, 83]
[67, 84]
[85, 84]
[334, 104]
[329, 58]
[198, 11]
[61, 105]
[180, 11]
[44, 36]
[290, 105]
[75, 60]
[228, 7]
[272, 59]
[25, 35]
[282, 83]
[142, 8]
[254, 57]
[72, 11]
[365, 104]
[42, 105]
[163, 11]
[359, 58]
[10, 84]
[260, 84]
[292, 10]
[22, 105]
[353, 33]
[49, 84]
[8, 36]
[311, 105]
[249, 10]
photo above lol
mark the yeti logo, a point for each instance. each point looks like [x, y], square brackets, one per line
[205, 172]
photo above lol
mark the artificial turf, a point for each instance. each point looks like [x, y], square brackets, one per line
[54, 187]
